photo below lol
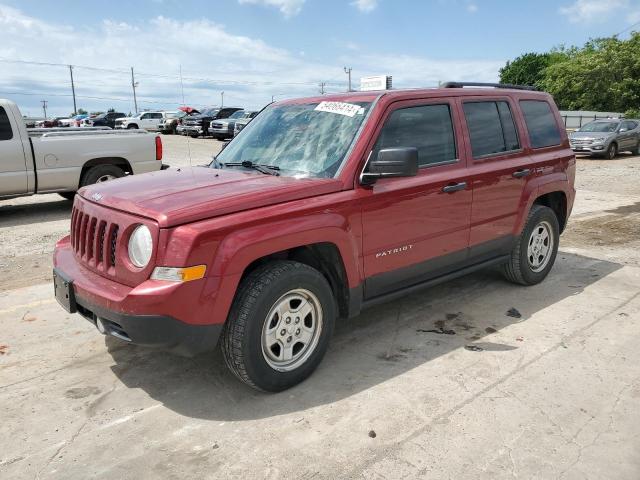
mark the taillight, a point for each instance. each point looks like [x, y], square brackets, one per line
[158, 148]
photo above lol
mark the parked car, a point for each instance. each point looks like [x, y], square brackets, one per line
[242, 122]
[106, 119]
[607, 138]
[78, 119]
[36, 161]
[50, 123]
[223, 129]
[324, 207]
[197, 124]
[169, 123]
[144, 121]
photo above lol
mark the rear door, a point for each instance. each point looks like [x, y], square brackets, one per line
[414, 230]
[500, 170]
[13, 158]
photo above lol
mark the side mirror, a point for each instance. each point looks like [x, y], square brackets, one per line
[392, 162]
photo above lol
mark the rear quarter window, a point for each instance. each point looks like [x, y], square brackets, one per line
[6, 133]
[541, 123]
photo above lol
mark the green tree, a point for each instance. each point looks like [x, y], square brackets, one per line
[603, 75]
[82, 111]
[530, 68]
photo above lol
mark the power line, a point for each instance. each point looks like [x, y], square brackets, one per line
[160, 75]
[626, 29]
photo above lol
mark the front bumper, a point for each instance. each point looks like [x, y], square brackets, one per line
[190, 130]
[156, 314]
[590, 149]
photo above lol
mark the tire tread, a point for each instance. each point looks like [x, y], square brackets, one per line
[239, 316]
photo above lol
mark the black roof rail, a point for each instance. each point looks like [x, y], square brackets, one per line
[494, 85]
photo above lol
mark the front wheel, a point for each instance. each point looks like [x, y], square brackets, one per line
[535, 252]
[612, 151]
[279, 326]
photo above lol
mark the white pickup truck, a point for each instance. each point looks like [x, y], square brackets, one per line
[51, 160]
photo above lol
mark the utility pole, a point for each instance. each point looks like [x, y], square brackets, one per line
[221, 99]
[348, 72]
[322, 85]
[73, 91]
[134, 84]
[44, 108]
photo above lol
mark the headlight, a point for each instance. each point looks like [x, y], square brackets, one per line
[140, 246]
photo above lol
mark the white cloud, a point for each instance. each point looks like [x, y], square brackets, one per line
[472, 8]
[590, 11]
[248, 69]
[365, 6]
[289, 8]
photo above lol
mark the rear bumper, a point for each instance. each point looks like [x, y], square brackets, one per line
[173, 316]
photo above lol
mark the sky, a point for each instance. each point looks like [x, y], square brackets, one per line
[188, 52]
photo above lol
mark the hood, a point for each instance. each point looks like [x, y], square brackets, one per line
[590, 135]
[177, 196]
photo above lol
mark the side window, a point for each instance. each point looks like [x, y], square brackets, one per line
[491, 128]
[5, 126]
[428, 128]
[629, 125]
[541, 123]
[157, 115]
[144, 116]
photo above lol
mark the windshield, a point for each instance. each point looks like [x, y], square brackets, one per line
[599, 127]
[210, 113]
[238, 114]
[308, 140]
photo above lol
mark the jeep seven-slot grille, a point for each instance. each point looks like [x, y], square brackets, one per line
[94, 240]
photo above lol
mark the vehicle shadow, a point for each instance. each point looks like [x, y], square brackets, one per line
[15, 213]
[380, 344]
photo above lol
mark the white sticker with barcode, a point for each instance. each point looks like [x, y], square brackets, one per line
[341, 108]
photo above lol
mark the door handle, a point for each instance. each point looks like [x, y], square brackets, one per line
[454, 187]
[521, 173]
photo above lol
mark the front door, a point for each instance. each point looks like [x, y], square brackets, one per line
[13, 167]
[417, 228]
[628, 136]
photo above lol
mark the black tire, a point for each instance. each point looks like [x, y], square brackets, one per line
[612, 151]
[261, 290]
[636, 150]
[67, 195]
[518, 269]
[94, 174]
[132, 126]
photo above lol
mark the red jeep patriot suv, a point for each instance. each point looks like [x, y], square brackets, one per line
[319, 208]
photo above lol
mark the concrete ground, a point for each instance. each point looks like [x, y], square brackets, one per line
[552, 393]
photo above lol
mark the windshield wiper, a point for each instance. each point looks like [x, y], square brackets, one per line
[266, 169]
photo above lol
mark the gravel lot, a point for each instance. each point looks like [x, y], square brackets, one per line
[552, 394]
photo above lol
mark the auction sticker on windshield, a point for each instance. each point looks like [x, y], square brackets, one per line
[341, 108]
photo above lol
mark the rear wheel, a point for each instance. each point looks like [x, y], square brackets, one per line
[101, 173]
[67, 195]
[535, 251]
[612, 151]
[279, 326]
[636, 150]
[132, 126]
